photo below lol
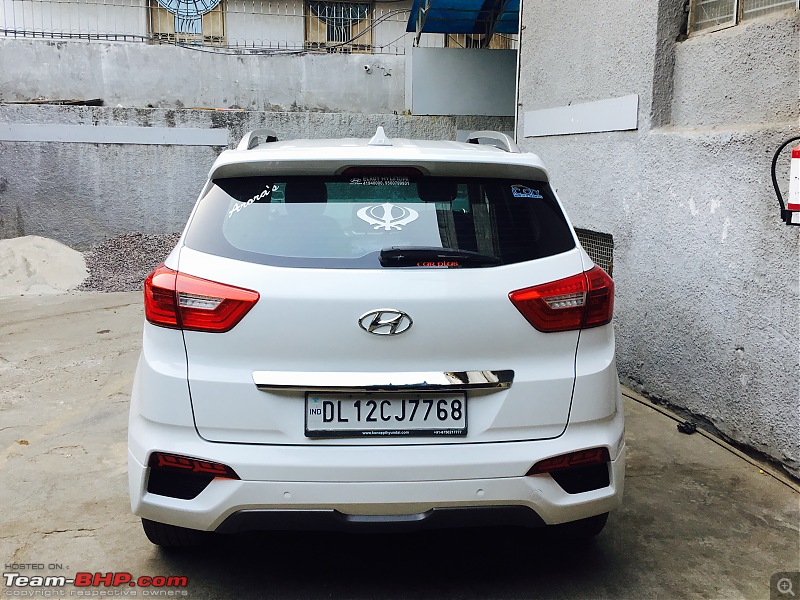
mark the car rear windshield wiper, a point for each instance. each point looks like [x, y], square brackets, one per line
[431, 256]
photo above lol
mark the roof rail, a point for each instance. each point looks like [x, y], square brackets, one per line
[499, 140]
[253, 138]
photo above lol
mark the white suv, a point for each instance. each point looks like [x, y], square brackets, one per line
[376, 334]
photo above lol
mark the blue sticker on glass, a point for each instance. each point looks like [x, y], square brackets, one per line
[521, 191]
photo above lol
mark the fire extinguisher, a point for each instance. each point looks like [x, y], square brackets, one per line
[790, 211]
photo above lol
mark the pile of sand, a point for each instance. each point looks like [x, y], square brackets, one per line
[37, 265]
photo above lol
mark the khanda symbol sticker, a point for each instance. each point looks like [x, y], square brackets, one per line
[391, 217]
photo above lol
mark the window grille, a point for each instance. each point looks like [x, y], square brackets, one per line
[756, 8]
[710, 15]
[599, 246]
[339, 26]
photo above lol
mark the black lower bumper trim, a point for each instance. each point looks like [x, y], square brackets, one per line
[332, 520]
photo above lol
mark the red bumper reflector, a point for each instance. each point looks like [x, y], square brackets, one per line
[581, 458]
[187, 464]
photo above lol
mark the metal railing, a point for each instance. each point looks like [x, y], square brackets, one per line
[253, 26]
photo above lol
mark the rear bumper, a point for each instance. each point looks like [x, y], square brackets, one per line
[358, 487]
[332, 520]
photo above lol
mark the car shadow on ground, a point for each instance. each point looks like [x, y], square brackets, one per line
[486, 562]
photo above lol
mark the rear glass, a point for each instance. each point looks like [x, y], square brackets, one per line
[346, 221]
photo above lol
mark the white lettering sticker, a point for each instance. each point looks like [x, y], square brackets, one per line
[378, 180]
[240, 205]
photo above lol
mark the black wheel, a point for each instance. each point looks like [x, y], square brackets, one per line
[582, 530]
[172, 536]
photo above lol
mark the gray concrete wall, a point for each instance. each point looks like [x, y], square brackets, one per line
[739, 76]
[577, 51]
[166, 76]
[82, 193]
[706, 273]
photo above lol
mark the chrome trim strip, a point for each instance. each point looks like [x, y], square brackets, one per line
[383, 382]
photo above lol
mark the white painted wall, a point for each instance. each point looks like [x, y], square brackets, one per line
[133, 74]
[459, 81]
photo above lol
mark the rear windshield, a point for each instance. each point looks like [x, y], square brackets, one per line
[379, 221]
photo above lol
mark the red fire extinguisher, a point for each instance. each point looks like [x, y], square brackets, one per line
[790, 212]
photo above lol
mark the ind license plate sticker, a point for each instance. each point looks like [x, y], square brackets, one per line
[378, 415]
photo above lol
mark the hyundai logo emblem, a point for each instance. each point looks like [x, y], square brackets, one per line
[385, 321]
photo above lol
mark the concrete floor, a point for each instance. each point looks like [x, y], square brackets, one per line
[697, 521]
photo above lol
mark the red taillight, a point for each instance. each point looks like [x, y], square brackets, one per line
[159, 297]
[582, 458]
[578, 302]
[181, 301]
[187, 464]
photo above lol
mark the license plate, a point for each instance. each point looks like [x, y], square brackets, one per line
[379, 415]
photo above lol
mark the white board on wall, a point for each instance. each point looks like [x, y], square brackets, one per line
[612, 114]
[113, 134]
[462, 81]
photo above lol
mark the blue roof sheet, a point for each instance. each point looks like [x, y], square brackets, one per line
[465, 16]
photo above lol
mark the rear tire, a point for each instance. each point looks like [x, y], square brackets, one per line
[172, 536]
[582, 530]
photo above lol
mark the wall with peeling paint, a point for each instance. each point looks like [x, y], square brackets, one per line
[706, 272]
[165, 76]
[82, 193]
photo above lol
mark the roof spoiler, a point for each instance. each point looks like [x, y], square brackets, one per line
[495, 138]
[253, 138]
